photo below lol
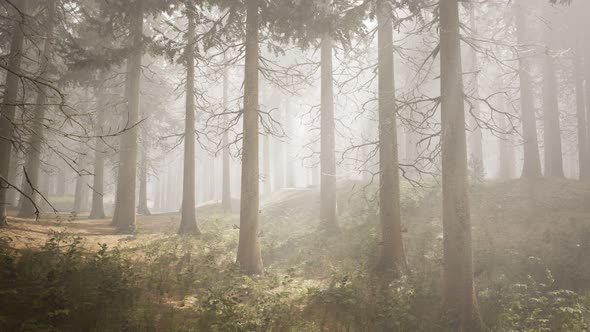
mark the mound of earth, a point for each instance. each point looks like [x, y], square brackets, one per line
[522, 227]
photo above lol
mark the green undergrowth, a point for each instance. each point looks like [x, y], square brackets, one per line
[313, 281]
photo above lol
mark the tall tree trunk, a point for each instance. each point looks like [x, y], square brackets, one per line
[97, 209]
[290, 171]
[79, 195]
[226, 177]
[61, 180]
[188, 219]
[142, 206]
[210, 175]
[327, 141]
[33, 163]
[248, 256]
[506, 148]
[460, 303]
[475, 138]
[266, 166]
[552, 131]
[124, 214]
[532, 161]
[278, 163]
[586, 73]
[8, 108]
[12, 178]
[392, 256]
[583, 151]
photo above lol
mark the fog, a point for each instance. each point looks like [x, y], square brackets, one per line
[294, 165]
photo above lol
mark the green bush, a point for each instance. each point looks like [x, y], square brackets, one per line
[61, 288]
[533, 306]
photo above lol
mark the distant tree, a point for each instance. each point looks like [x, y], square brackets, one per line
[188, 220]
[226, 178]
[532, 161]
[97, 208]
[33, 156]
[551, 119]
[8, 106]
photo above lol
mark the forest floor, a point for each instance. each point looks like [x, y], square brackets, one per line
[522, 230]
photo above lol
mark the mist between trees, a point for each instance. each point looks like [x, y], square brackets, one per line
[408, 165]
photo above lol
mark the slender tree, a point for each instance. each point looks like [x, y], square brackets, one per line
[327, 134]
[8, 107]
[392, 255]
[33, 163]
[248, 256]
[124, 214]
[226, 177]
[475, 137]
[582, 130]
[532, 161]
[142, 206]
[552, 130]
[188, 220]
[460, 303]
[97, 208]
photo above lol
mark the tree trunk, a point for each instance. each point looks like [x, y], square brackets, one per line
[583, 151]
[97, 209]
[290, 171]
[532, 161]
[79, 195]
[266, 160]
[8, 108]
[392, 256]
[327, 141]
[210, 176]
[33, 163]
[248, 256]
[61, 180]
[506, 149]
[226, 178]
[460, 303]
[124, 214]
[142, 206]
[188, 219]
[278, 163]
[475, 138]
[552, 131]
[12, 178]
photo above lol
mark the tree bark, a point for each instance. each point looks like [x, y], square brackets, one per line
[460, 303]
[248, 256]
[392, 255]
[552, 131]
[583, 151]
[33, 163]
[124, 214]
[142, 206]
[327, 140]
[8, 108]
[79, 195]
[97, 209]
[226, 177]
[11, 196]
[290, 171]
[506, 149]
[475, 138]
[266, 166]
[532, 161]
[188, 219]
